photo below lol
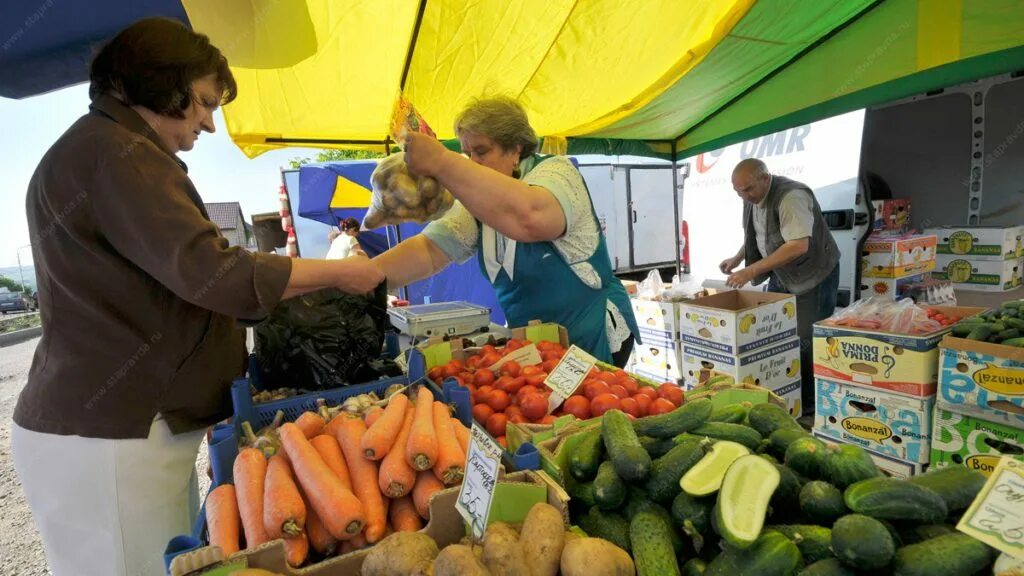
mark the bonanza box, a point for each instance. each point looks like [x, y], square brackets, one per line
[980, 242]
[970, 274]
[770, 367]
[897, 257]
[959, 440]
[891, 287]
[738, 321]
[983, 380]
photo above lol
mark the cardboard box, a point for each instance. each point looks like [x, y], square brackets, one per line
[790, 392]
[658, 319]
[983, 380]
[770, 367]
[631, 286]
[892, 467]
[891, 287]
[970, 274]
[980, 242]
[661, 357]
[738, 321]
[959, 440]
[878, 421]
[897, 257]
[891, 214]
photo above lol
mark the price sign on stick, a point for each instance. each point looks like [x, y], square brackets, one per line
[568, 375]
[482, 460]
[525, 356]
[997, 515]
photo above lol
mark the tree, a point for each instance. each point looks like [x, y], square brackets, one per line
[331, 155]
[13, 286]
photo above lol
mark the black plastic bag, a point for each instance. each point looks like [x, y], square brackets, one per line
[324, 339]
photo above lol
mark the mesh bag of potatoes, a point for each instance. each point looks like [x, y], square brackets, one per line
[399, 196]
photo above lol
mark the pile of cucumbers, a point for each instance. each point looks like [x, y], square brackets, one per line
[1003, 325]
[744, 490]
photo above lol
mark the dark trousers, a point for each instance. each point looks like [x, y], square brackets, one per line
[622, 356]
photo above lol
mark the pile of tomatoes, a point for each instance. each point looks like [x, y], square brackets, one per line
[941, 318]
[516, 393]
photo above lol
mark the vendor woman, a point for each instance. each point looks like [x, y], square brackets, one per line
[139, 296]
[531, 224]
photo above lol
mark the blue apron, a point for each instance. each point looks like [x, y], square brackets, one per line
[546, 288]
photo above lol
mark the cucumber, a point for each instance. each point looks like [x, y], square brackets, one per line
[733, 432]
[772, 554]
[814, 542]
[693, 515]
[808, 457]
[637, 501]
[1017, 323]
[657, 447]
[956, 485]
[767, 418]
[609, 489]
[611, 526]
[743, 499]
[848, 464]
[892, 499]
[732, 413]
[980, 332]
[822, 502]
[706, 476]
[785, 503]
[921, 532]
[962, 329]
[862, 543]
[582, 492]
[780, 440]
[827, 567]
[663, 484]
[1018, 342]
[682, 419]
[1008, 334]
[584, 460]
[632, 463]
[651, 540]
[694, 567]
[950, 555]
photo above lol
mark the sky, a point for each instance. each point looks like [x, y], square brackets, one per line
[218, 168]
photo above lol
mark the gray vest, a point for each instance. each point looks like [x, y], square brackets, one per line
[810, 269]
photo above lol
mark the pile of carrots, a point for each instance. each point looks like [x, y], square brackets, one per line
[341, 485]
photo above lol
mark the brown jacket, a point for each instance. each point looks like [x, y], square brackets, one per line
[138, 291]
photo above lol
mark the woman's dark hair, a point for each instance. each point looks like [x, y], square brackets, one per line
[153, 63]
[349, 224]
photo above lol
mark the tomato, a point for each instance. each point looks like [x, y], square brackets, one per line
[530, 371]
[481, 412]
[606, 377]
[514, 414]
[501, 440]
[436, 373]
[650, 392]
[534, 406]
[620, 374]
[549, 365]
[527, 391]
[630, 384]
[465, 377]
[594, 372]
[594, 388]
[488, 349]
[619, 391]
[672, 393]
[547, 420]
[515, 384]
[603, 403]
[498, 400]
[630, 406]
[473, 362]
[496, 424]
[536, 379]
[512, 368]
[661, 406]
[643, 402]
[545, 345]
[483, 377]
[502, 382]
[453, 368]
[489, 360]
[484, 392]
[578, 406]
[552, 355]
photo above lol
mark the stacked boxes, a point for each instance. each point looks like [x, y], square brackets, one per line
[987, 258]
[659, 357]
[892, 260]
[891, 214]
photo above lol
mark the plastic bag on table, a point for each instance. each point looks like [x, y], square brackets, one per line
[885, 314]
[650, 288]
[324, 339]
[400, 196]
[683, 289]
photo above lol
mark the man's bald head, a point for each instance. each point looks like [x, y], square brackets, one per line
[751, 179]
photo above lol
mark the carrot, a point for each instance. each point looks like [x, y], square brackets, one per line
[329, 450]
[421, 448]
[250, 471]
[364, 477]
[283, 510]
[372, 415]
[461, 433]
[223, 519]
[380, 435]
[395, 477]
[320, 539]
[403, 515]
[340, 510]
[451, 460]
[310, 423]
[426, 486]
[296, 549]
[332, 427]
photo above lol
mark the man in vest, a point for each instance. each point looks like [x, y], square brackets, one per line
[788, 243]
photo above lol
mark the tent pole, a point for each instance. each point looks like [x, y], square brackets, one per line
[675, 206]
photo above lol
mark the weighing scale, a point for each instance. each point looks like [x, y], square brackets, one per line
[446, 319]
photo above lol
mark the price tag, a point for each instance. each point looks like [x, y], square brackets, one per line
[477, 492]
[405, 119]
[525, 356]
[997, 515]
[568, 375]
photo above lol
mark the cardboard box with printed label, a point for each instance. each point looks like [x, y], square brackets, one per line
[770, 366]
[892, 467]
[970, 274]
[659, 319]
[738, 321]
[790, 392]
[897, 257]
[657, 356]
[891, 214]
[983, 380]
[980, 242]
[891, 287]
[878, 421]
[959, 440]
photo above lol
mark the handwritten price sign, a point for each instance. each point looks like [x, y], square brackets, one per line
[997, 515]
[477, 492]
[568, 375]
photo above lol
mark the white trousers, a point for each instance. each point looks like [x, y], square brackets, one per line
[108, 507]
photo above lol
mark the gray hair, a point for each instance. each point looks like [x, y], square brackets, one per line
[754, 166]
[501, 119]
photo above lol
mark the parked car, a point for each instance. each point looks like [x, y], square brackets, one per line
[16, 302]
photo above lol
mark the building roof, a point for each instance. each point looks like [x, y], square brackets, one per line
[224, 214]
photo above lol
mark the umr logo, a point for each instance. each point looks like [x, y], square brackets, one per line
[785, 142]
[703, 164]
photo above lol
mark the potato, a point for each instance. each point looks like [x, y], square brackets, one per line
[503, 555]
[542, 539]
[429, 188]
[595, 557]
[400, 554]
[390, 201]
[458, 560]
